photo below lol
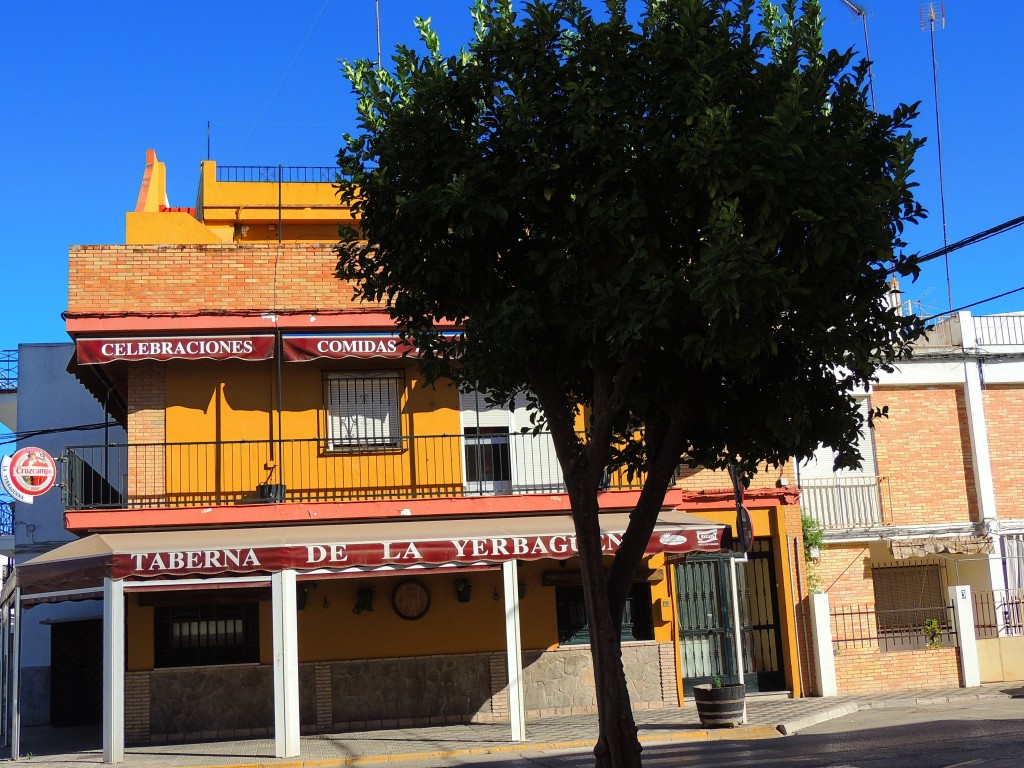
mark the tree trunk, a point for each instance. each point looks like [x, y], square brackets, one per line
[618, 745]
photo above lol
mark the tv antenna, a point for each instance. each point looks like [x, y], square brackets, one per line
[857, 9]
[929, 20]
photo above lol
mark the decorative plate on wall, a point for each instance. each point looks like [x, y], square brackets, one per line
[410, 599]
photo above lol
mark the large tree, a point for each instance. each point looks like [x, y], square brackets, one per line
[679, 220]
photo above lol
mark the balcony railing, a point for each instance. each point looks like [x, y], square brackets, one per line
[286, 174]
[844, 501]
[246, 472]
[8, 370]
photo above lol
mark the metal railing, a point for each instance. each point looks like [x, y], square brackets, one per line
[286, 174]
[901, 629]
[8, 370]
[6, 518]
[845, 501]
[245, 472]
[998, 613]
[999, 330]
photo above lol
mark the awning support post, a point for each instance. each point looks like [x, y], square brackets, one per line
[113, 671]
[737, 628]
[286, 664]
[514, 647]
[16, 678]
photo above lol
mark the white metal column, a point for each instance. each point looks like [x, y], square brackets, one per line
[113, 671]
[16, 678]
[286, 665]
[737, 627]
[514, 648]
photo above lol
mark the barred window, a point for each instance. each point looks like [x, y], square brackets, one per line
[362, 410]
[571, 613]
[198, 635]
[907, 595]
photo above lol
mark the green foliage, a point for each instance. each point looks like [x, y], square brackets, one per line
[684, 225]
[687, 222]
[932, 633]
[813, 535]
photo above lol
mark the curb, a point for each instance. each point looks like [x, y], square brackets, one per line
[791, 727]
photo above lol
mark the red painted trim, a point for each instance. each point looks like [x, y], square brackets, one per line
[307, 322]
[289, 513]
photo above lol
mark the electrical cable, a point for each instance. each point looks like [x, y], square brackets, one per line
[15, 437]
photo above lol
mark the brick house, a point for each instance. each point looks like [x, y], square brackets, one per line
[297, 514]
[935, 504]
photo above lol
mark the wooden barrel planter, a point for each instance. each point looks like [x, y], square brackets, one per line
[720, 707]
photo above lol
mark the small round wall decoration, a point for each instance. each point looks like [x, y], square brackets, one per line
[410, 599]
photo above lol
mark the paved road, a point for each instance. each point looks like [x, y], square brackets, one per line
[976, 734]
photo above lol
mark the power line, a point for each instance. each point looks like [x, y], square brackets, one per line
[14, 437]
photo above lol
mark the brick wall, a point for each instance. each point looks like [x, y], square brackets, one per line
[136, 707]
[869, 670]
[844, 572]
[1004, 417]
[147, 403]
[111, 279]
[702, 479]
[923, 450]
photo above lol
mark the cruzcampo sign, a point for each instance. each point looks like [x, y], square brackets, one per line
[30, 472]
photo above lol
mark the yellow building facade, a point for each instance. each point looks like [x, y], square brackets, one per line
[289, 474]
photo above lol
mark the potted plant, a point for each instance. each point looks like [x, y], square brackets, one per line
[462, 589]
[719, 704]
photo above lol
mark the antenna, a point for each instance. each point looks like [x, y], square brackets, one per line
[377, 3]
[930, 18]
[857, 9]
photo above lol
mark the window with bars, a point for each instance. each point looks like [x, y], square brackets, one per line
[573, 629]
[908, 595]
[201, 635]
[362, 410]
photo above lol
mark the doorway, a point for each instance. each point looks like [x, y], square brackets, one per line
[706, 621]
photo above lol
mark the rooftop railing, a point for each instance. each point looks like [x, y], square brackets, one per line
[8, 370]
[310, 470]
[286, 174]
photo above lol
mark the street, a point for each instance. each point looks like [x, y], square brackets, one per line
[987, 733]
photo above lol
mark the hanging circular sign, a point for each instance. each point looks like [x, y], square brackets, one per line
[30, 472]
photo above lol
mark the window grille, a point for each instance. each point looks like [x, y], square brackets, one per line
[907, 595]
[363, 410]
[199, 635]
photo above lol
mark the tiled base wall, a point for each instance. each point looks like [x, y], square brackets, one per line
[203, 702]
[869, 670]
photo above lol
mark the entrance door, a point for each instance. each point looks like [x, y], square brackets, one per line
[76, 672]
[706, 644]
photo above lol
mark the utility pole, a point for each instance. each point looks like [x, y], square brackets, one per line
[929, 20]
[857, 9]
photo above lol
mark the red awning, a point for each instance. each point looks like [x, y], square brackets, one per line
[237, 347]
[400, 543]
[300, 347]
[338, 346]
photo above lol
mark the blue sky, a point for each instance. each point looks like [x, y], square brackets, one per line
[88, 87]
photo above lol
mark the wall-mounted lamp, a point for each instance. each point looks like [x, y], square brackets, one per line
[364, 600]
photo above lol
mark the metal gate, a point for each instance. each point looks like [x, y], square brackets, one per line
[706, 620]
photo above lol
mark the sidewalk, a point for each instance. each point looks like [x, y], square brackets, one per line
[767, 718]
